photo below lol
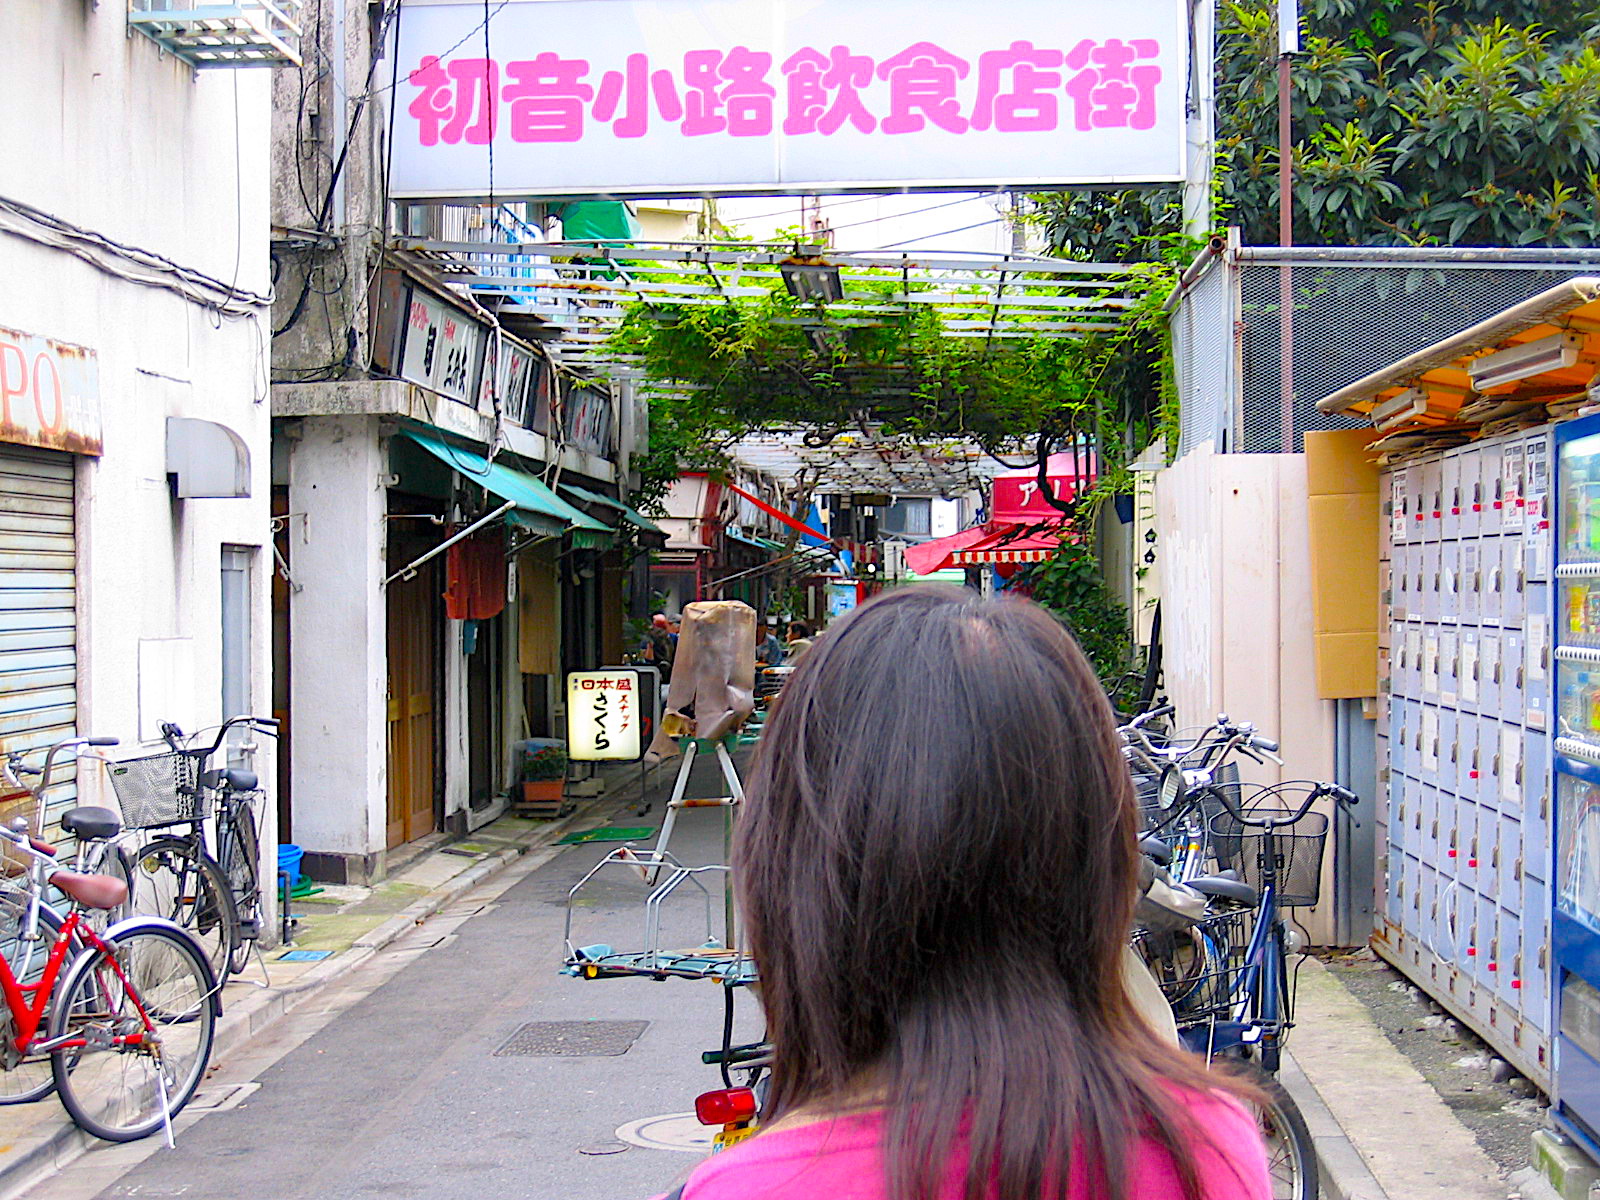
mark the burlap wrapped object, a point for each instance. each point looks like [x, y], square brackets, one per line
[713, 674]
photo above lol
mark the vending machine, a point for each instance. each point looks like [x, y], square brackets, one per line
[1575, 867]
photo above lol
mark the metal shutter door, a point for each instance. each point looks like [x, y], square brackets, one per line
[38, 612]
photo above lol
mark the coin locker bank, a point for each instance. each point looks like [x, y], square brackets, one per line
[1576, 922]
[1465, 834]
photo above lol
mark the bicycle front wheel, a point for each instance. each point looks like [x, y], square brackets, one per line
[23, 1079]
[189, 889]
[144, 1006]
[1291, 1155]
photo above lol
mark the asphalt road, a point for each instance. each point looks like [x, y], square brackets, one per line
[389, 1085]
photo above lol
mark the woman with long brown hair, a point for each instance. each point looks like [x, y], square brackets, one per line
[936, 864]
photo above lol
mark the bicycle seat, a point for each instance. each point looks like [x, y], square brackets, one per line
[1224, 889]
[232, 779]
[1155, 848]
[91, 891]
[92, 823]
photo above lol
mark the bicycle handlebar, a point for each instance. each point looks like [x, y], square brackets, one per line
[1252, 818]
[176, 738]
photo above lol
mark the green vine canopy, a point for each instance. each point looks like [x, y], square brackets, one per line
[739, 364]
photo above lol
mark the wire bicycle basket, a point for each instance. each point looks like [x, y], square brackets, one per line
[1297, 848]
[158, 790]
[1203, 969]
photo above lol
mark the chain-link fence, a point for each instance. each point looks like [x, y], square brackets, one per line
[1203, 352]
[1350, 317]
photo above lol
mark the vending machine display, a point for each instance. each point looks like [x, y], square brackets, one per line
[1575, 869]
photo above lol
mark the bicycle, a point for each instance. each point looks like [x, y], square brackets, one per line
[1227, 975]
[125, 1019]
[217, 898]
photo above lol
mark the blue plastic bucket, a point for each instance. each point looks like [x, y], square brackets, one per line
[289, 856]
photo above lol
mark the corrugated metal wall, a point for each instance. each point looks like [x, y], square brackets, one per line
[38, 598]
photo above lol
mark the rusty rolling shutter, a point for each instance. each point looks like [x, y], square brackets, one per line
[38, 614]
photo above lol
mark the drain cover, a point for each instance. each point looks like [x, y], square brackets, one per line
[571, 1039]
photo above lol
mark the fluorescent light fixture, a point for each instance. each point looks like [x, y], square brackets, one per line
[1397, 410]
[812, 279]
[1552, 353]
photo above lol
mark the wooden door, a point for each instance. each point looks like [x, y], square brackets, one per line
[413, 653]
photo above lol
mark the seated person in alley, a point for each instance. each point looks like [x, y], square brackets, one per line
[936, 863]
[769, 650]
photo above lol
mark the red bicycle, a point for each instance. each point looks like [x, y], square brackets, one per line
[119, 1023]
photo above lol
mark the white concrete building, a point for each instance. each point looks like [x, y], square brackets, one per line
[135, 561]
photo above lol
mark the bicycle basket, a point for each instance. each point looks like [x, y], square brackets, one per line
[1202, 969]
[1297, 849]
[158, 790]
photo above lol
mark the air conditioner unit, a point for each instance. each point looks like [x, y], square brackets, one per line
[1552, 353]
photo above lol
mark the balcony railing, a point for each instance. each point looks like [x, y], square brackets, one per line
[249, 33]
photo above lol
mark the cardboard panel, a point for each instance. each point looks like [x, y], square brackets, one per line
[1342, 516]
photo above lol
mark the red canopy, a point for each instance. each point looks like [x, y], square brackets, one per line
[996, 542]
[1007, 543]
[927, 557]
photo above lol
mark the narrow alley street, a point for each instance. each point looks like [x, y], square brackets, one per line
[400, 1080]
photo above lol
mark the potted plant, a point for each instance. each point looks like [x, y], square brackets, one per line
[544, 776]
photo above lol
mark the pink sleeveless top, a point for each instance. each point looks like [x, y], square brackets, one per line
[840, 1159]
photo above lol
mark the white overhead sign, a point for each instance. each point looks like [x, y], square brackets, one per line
[662, 97]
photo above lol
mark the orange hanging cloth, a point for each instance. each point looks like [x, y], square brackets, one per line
[475, 577]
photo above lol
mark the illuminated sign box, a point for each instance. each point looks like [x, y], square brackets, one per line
[611, 713]
[692, 97]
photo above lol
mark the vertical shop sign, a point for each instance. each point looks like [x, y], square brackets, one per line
[49, 393]
[606, 715]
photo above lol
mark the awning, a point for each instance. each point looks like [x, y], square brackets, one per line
[758, 543]
[927, 557]
[538, 508]
[631, 515]
[1012, 544]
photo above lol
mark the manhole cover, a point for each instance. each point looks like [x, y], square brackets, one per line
[672, 1131]
[571, 1039]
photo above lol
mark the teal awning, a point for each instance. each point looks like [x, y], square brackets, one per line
[538, 507]
[632, 516]
[604, 221]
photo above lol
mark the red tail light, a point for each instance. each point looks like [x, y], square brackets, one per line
[726, 1106]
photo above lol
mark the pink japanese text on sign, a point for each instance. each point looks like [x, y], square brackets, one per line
[661, 96]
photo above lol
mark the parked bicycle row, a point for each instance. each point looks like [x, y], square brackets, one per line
[110, 970]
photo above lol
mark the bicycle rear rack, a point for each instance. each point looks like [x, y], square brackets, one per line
[711, 960]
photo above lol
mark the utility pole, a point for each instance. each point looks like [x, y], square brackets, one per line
[1288, 47]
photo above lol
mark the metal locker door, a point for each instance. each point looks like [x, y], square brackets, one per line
[1469, 670]
[1492, 486]
[1449, 664]
[1492, 570]
[1449, 751]
[1502, 955]
[1412, 676]
[1536, 520]
[1399, 582]
[1400, 506]
[1430, 581]
[1536, 658]
[1469, 584]
[1432, 499]
[1513, 581]
[1512, 674]
[1428, 745]
[1511, 465]
[1429, 830]
[1428, 903]
[1449, 581]
[1450, 495]
[1508, 860]
[1537, 847]
[1489, 671]
[1471, 491]
[1537, 969]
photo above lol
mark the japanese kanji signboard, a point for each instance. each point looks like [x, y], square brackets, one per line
[611, 713]
[661, 97]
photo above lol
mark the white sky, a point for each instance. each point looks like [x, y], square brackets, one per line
[923, 222]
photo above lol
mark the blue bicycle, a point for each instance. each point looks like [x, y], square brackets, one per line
[1226, 975]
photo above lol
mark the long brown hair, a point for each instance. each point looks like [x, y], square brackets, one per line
[936, 866]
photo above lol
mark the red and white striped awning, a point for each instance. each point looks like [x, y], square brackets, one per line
[1008, 544]
[973, 558]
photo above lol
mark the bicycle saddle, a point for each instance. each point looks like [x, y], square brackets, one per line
[91, 891]
[1224, 889]
[231, 779]
[1156, 849]
[92, 823]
